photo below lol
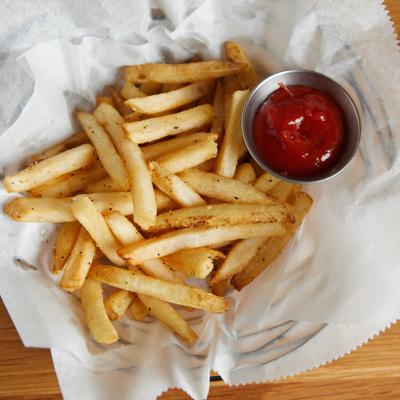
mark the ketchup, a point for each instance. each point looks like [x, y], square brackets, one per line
[299, 131]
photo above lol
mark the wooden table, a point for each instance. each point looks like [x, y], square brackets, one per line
[371, 372]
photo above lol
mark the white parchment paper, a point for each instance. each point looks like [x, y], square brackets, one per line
[343, 268]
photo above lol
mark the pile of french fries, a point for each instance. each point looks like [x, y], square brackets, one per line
[157, 189]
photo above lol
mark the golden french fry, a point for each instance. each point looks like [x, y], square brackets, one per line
[150, 88]
[197, 263]
[174, 187]
[217, 125]
[130, 91]
[106, 151]
[296, 189]
[176, 293]
[248, 77]
[195, 237]
[71, 183]
[95, 314]
[233, 146]
[164, 202]
[222, 188]
[189, 157]
[122, 228]
[231, 85]
[245, 173]
[168, 125]
[274, 246]
[168, 316]
[126, 233]
[65, 241]
[152, 151]
[103, 185]
[59, 210]
[165, 313]
[145, 207]
[220, 215]
[50, 168]
[238, 258]
[180, 73]
[75, 140]
[135, 116]
[79, 261]
[117, 303]
[259, 171]
[93, 221]
[219, 287]
[266, 182]
[104, 99]
[138, 310]
[281, 191]
[172, 100]
[119, 101]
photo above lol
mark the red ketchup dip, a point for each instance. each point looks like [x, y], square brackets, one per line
[299, 131]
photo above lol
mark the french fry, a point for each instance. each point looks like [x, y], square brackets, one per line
[40, 210]
[281, 191]
[130, 91]
[217, 125]
[150, 88]
[248, 77]
[222, 188]
[168, 316]
[259, 171]
[122, 228]
[238, 258]
[164, 202]
[75, 140]
[220, 215]
[103, 185]
[172, 100]
[50, 168]
[93, 221]
[170, 292]
[95, 314]
[119, 101]
[138, 310]
[104, 99]
[71, 183]
[106, 151]
[78, 263]
[273, 246]
[126, 233]
[197, 263]
[219, 288]
[231, 85]
[59, 210]
[266, 182]
[233, 146]
[65, 241]
[195, 237]
[117, 303]
[145, 207]
[135, 116]
[174, 187]
[168, 125]
[245, 173]
[152, 151]
[189, 157]
[181, 73]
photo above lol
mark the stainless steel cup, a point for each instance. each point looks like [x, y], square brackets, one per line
[317, 81]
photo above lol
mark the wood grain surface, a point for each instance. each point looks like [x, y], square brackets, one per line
[371, 372]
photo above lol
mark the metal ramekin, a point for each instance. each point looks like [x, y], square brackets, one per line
[317, 81]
